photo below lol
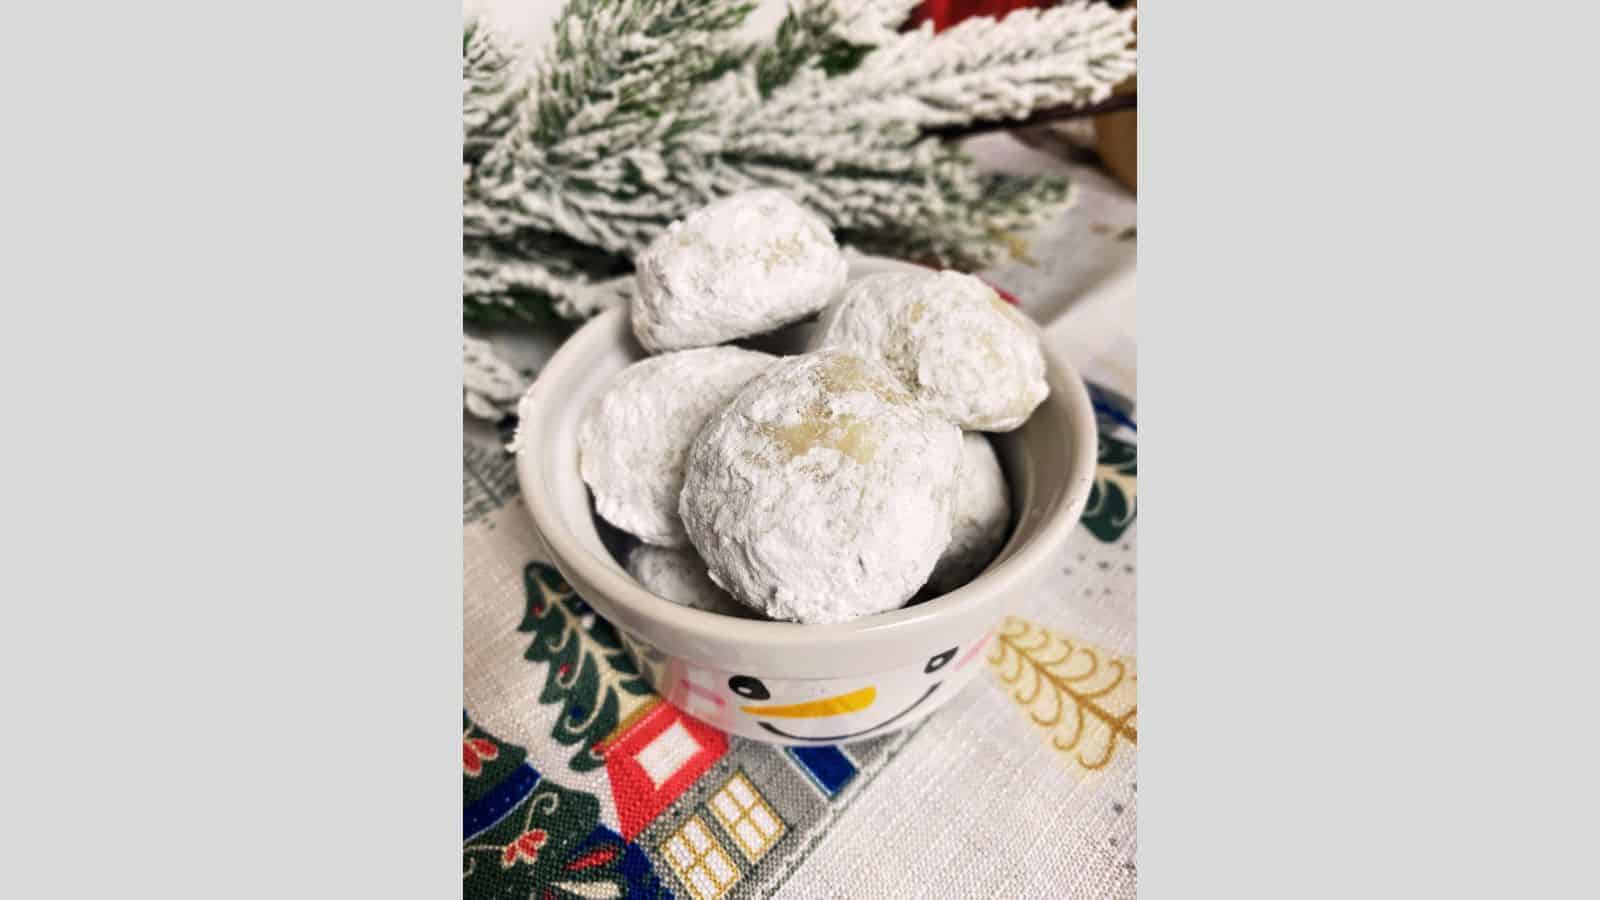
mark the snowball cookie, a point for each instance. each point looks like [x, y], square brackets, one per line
[963, 351]
[744, 265]
[823, 492]
[982, 512]
[679, 575]
[634, 437]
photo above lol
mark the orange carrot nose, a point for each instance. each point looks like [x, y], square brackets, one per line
[814, 709]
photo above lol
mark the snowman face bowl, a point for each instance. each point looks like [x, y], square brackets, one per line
[783, 682]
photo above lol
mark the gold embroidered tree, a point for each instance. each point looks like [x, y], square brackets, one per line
[1086, 698]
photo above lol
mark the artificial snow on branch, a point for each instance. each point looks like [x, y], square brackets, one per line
[491, 91]
[638, 112]
[981, 69]
[491, 385]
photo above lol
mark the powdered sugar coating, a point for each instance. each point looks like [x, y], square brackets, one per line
[679, 575]
[823, 492]
[963, 351]
[744, 265]
[634, 437]
[982, 514]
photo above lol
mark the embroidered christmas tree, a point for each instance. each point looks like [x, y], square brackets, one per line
[588, 671]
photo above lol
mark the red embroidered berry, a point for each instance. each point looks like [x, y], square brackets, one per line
[474, 751]
[525, 847]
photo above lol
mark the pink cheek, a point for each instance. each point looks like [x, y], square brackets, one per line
[971, 654]
[698, 691]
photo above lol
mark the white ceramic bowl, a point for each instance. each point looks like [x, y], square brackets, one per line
[781, 682]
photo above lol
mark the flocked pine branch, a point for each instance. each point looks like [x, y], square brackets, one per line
[833, 36]
[981, 69]
[618, 70]
[852, 145]
[643, 110]
[607, 97]
[491, 385]
[507, 287]
[491, 91]
[872, 21]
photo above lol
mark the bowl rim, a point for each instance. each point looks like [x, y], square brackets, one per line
[1017, 571]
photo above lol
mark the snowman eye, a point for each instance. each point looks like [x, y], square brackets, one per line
[938, 661]
[752, 688]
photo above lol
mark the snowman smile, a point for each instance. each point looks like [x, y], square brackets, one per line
[828, 739]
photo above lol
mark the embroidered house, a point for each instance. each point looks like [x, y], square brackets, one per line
[652, 758]
[745, 815]
[737, 817]
[699, 860]
[710, 859]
